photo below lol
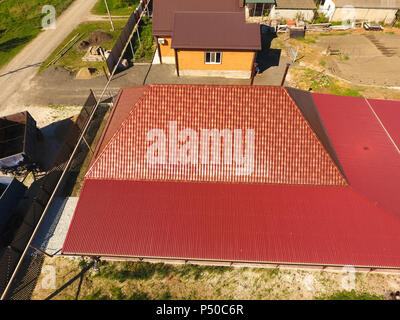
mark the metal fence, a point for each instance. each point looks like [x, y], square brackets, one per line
[11, 255]
[130, 27]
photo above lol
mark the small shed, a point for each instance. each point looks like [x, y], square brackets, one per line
[18, 133]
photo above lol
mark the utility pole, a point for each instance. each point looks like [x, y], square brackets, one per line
[109, 15]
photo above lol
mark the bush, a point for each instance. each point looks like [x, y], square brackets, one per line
[116, 293]
[166, 295]
[97, 295]
[139, 296]
[320, 18]
[351, 295]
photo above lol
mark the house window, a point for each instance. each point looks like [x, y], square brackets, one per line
[213, 57]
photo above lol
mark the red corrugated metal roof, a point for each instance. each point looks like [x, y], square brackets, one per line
[233, 222]
[389, 114]
[370, 160]
[327, 225]
[287, 150]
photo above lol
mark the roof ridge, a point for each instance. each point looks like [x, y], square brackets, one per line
[119, 129]
[315, 135]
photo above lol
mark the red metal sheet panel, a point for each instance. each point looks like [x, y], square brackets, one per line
[369, 159]
[389, 114]
[233, 222]
[286, 149]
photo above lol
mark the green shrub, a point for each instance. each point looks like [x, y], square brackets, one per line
[97, 295]
[320, 18]
[166, 295]
[139, 296]
[351, 295]
[116, 293]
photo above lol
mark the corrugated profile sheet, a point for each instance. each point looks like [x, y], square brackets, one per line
[233, 222]
[364, 134]
[286, 149]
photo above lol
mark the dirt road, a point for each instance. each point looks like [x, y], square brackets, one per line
[17, 75]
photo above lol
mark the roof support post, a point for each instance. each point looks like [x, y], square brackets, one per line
[176, 62]
[285, 74]
[253, 68]
[158, 49]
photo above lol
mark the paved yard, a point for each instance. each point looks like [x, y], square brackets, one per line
[57, 86]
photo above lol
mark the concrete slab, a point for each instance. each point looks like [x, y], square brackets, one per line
[54, 227]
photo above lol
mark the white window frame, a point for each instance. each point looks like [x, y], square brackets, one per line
[213, 54]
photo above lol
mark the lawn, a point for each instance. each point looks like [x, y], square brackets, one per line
[117, 7]
[144, 49]
[20, 22]
[72, 60]
[142, 281]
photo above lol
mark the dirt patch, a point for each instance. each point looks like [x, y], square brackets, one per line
[86, 73]
[96, 38]
[365, 59]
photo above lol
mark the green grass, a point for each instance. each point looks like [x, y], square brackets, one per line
[306, 40]
[334, 34]
[72, 60]
[145, 271]
[336, 23]
[320, 18]
[117, 7]
[323, 63]
[351, 295]
[326, 84]
[20, 22]
[145, 49]
[346, 92]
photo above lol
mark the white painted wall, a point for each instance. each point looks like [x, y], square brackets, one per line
[341, 14]
[290, 14]
[377, 15]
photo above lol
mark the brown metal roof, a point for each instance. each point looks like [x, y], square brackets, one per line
[217, 30]
[164, 10]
